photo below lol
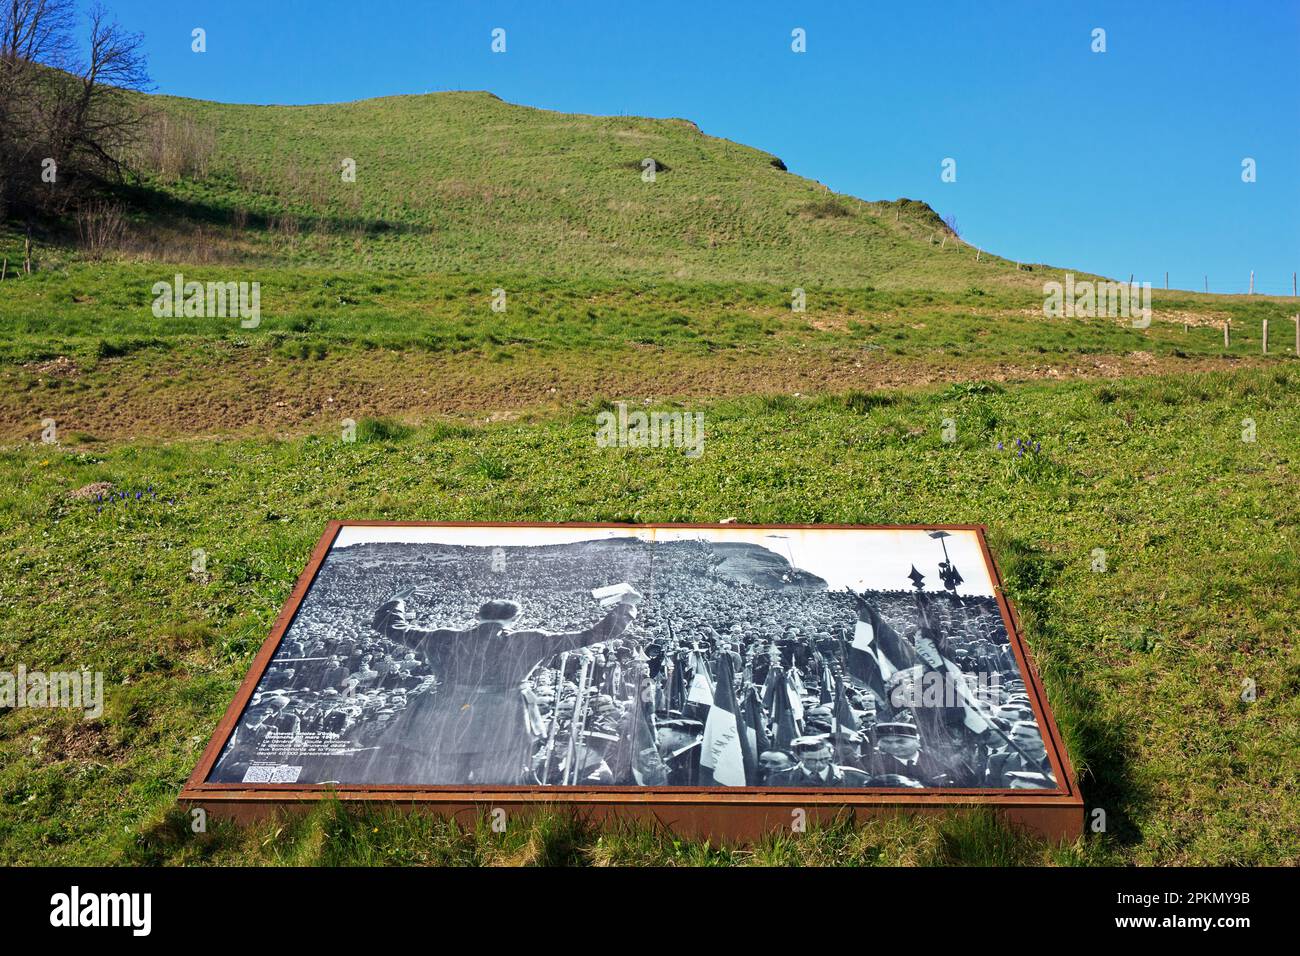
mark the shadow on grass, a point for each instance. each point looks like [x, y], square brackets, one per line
[334, 833]
[1098, 746]
[167, 207]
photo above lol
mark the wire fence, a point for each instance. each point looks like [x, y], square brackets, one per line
[1280, 287]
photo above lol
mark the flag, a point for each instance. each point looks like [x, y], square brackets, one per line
[845, 719]
[701, 685]
[775, 678]
[826, 691]
[794, 689]
[796, 681]
[873, 636]
[722, 758]
[646, 771]
[676, 687]
[755, 723]
[860, 662]
[784, 728]
[748, 738]
[971, 716]
[781, 684]
[975, 721]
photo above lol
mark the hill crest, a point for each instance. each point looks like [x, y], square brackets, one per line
[465, 182]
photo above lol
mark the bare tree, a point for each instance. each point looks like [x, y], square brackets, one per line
[36, 31]
[951, 222]
[31, 32]
[56, 104]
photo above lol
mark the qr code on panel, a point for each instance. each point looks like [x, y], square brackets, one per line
[280, 773]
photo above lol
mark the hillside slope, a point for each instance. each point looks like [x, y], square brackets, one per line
[464, 182]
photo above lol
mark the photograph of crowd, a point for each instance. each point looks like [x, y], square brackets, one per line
[657, 657]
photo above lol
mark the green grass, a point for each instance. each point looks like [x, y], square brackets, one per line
[334, 835]
[350, 344]
[1143, 664]
[103, 310]
[464, 182]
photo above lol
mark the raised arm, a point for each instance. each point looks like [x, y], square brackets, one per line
[391, 621]
[542, 644]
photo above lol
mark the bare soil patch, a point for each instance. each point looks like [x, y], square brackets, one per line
[178, 395]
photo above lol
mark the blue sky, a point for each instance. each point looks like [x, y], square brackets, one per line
[1128, 161]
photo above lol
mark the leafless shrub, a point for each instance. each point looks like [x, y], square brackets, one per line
[100, 226]
[152, 241]
[202, 246]
[175, 148]
[951, 222]
[286, 225]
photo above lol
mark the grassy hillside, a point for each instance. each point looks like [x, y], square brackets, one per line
[676, 289]
[463, 182]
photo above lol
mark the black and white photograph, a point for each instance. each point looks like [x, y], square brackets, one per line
[664, 657]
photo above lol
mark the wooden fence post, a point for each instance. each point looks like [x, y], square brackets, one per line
[1264, 338]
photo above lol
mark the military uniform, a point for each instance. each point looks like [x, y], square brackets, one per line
[923, 768]
[836, 778]
[476, 721]
[1004, 762]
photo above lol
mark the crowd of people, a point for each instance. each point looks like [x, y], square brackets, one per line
[438, 664]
